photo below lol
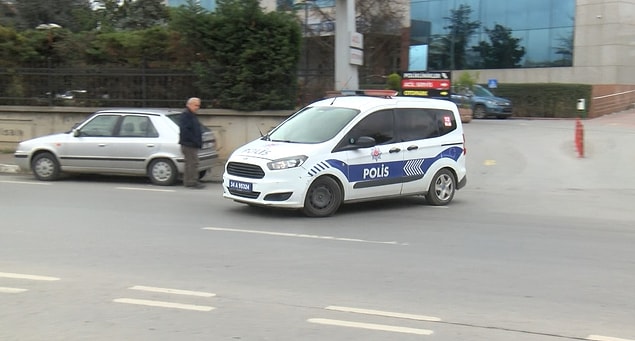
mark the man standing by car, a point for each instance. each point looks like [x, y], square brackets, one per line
[191, 140]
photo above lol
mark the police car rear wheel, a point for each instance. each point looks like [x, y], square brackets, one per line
[442, 188]
[323, 198]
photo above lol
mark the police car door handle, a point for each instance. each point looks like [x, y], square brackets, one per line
[413, 147]
[394, 150]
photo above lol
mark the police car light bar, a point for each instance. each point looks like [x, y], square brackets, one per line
[371, 92]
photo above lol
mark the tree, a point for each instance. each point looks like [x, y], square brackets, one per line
[74, 15]
[131, 14]
[8, 14]
[189, 24]
[251, 57]
[380, 23]
[142, 14]
[504, 51]
[13, 48]
[449, 51]
[565, 49]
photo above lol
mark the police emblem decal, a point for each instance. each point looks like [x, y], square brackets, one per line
[375, 154]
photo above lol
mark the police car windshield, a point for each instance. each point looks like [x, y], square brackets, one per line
[313, 125]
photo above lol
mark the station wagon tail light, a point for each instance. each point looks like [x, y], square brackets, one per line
[286, 163]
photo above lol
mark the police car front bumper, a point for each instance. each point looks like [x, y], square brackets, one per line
[279, 188]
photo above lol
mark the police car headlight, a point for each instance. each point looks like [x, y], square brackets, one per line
[289, 162]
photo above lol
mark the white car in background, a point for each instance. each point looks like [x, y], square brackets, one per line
[134, 141]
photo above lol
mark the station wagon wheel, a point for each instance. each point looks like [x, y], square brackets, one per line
[162, 172]
[479, 112]
[323, 198]
[442, 188]
[45, 167]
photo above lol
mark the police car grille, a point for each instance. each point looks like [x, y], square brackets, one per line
[245, 170]
[250, 195]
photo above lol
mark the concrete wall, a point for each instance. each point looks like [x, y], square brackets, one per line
[232, 128]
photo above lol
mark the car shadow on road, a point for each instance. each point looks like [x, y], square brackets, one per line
[385, 206]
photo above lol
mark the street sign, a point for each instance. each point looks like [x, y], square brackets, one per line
[425, 84]
[433, 84]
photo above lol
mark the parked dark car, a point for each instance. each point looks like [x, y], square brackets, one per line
[482, 101]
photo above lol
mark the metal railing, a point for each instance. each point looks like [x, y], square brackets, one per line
[102, 87]
[123, 87]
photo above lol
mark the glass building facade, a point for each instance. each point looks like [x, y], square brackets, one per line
[282, 5]
[209, 5]
[491, 34]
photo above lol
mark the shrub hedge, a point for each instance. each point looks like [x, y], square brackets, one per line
[544, 99]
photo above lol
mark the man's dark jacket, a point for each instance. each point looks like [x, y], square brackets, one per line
[191, 132]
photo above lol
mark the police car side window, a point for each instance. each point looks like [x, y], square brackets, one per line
[445, 121]
[378, 125]
[417, 124]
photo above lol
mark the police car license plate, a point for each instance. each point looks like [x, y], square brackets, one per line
[240, 186]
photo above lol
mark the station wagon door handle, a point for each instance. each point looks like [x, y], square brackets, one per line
[150, 145]
[413, 147]
[394, 150]
[101, 145]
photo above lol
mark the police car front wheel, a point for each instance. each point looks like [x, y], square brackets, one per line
[442, 188]
[323, 198]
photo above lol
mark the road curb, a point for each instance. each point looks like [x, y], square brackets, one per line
[9, 169]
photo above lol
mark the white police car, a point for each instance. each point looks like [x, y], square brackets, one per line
[352, 148]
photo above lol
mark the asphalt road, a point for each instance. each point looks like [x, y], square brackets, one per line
[538, 246]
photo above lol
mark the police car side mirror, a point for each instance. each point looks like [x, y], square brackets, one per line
[76, 133]
[365, 142]
[361, 142]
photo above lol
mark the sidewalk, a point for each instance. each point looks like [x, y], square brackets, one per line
[7, 165]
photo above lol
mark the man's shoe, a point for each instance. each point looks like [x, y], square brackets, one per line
[197, 186]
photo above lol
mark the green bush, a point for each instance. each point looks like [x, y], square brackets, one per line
[553, 100]
[393, 82]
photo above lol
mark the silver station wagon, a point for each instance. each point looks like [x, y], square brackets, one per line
[135, 141]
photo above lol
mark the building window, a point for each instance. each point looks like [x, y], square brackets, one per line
[491, 34]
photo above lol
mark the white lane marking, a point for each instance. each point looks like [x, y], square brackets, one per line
[145, 189]
[163, 304]
[606, 338]
[27, 183]
[372, 326]
[384, 313]
[296, 235]
[6, 290]
[31, 277]
[173, 291]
